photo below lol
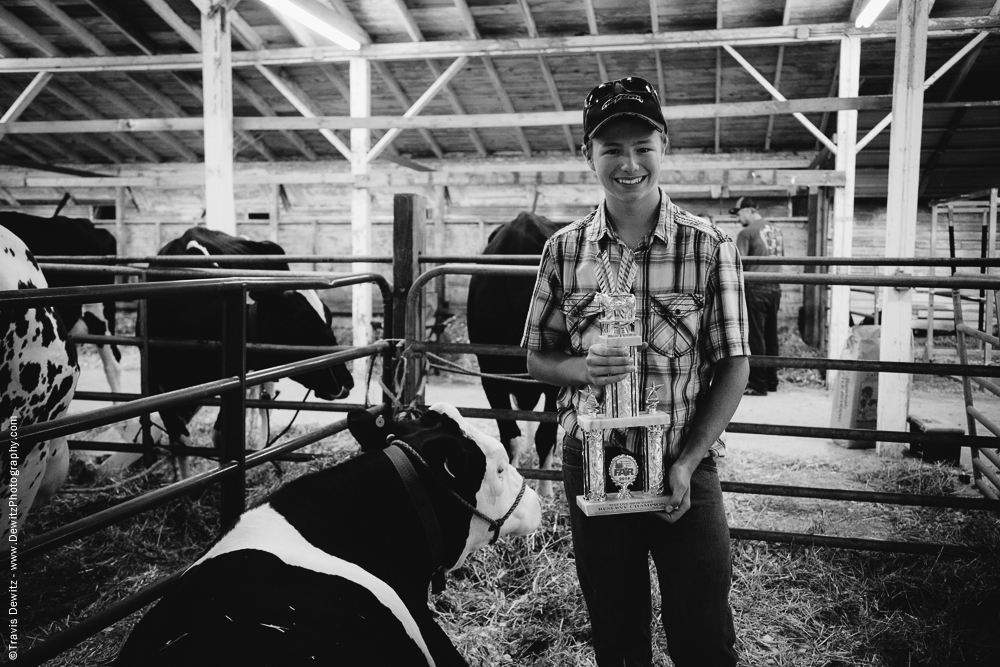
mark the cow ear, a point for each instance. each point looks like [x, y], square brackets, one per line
[369, 430]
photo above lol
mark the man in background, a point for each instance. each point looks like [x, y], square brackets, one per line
[759, 238]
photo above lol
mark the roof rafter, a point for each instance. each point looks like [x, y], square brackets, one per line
[491, 72]
[543, 66]
[413, 30]
[786, 13]
[193, 38]
[592, 25]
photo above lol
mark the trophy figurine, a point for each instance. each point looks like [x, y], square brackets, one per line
[620, 411]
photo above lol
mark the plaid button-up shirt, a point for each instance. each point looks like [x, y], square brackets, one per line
[689, 301]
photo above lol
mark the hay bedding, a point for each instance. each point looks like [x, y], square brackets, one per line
[519, 603]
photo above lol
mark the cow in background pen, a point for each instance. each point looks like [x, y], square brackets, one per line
[290, 317]
[497, 309]
[78, 237]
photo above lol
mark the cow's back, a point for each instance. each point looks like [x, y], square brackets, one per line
[251, 608]
[498, 305]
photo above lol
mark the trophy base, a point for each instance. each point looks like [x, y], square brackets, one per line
[639, 502]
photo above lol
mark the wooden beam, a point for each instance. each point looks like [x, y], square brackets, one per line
[718, 77]
[361, 203]
[901, 213]
[961, 53]
[442, 121]
[592, 25]
[778, 96]
[543, 67]
[668, 40]
[491, 72]
[70, 99]
[843, 198]
[220, 197]
[654, 20]
[785, 15]
[404, 101]
[125, 26]
[419, 105]
[26, 97]
[417, 36]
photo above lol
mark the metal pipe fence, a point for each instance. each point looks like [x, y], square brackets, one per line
[415, 346]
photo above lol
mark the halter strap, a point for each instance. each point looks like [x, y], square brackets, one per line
[495, 524]
[432, 531]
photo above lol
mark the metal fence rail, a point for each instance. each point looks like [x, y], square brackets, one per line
[415, 346]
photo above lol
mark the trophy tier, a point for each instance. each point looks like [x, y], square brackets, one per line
[603, 422]
[640, 501]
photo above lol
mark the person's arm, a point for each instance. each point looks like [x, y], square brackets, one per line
[603, 365]
[743, 243]
[715, 409]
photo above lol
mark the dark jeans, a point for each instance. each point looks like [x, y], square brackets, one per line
[692, 559]
[762, 310]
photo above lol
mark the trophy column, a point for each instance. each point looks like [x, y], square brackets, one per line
[621, 410]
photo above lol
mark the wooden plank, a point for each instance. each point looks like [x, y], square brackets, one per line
[361, 229]
[220, 197]
[443, 121]
[409, 212]
[695, 39]
[419, 105]
[843, 198]
[901, 213]
[25, 99]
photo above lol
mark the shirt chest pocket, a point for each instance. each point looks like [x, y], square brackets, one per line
[581, 313]
[675, 320]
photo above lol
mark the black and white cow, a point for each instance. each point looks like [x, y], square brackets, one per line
[496, 311]
[333, 568]
[74, 236]
[38, 375]
[284, 318]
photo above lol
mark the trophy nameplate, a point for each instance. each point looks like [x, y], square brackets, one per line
[620, 411]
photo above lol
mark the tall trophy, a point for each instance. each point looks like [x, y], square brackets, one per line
[621, 410]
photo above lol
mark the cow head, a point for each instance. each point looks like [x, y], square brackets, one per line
[466, 461]
[300, 318]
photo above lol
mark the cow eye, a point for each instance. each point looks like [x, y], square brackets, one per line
[500, 469]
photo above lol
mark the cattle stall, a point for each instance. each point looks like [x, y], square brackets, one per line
[234, 459]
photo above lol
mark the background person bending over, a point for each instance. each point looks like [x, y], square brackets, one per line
[759, 238]
[687, 279]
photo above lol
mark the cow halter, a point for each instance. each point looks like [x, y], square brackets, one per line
[495, 524]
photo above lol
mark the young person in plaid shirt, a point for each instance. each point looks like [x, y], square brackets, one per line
[688, 282]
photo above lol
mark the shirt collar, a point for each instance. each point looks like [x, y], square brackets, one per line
[598, 226]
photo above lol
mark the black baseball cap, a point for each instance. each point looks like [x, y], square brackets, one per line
[743, 202]
[630, 96]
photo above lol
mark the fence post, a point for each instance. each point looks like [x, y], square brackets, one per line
[232, 413]
[145, 421]
[409, 214]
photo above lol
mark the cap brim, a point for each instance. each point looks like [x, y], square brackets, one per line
[734, 211]
[652, 123]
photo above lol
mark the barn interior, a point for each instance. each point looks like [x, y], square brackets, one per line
[859, 136]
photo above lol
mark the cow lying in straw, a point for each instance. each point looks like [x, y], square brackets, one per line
[334, 567]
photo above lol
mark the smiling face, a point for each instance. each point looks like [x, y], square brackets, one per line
[625, 154]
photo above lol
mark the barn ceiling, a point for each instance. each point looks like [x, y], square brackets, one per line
[537, 60]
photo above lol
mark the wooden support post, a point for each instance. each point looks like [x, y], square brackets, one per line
[929, 340]
[437, 211]
[991, 252]
[901, 213]
[814, 296]
[275, 213]
[361, 209]
[217, 78]
[409, 214]
[843, 199]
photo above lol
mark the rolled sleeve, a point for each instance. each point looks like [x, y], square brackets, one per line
[725, 325]
[545, 328]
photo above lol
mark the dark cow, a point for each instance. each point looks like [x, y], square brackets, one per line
[38, 375]
[497, 309]
[283, 318]
[74, 236]
[334, 567]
